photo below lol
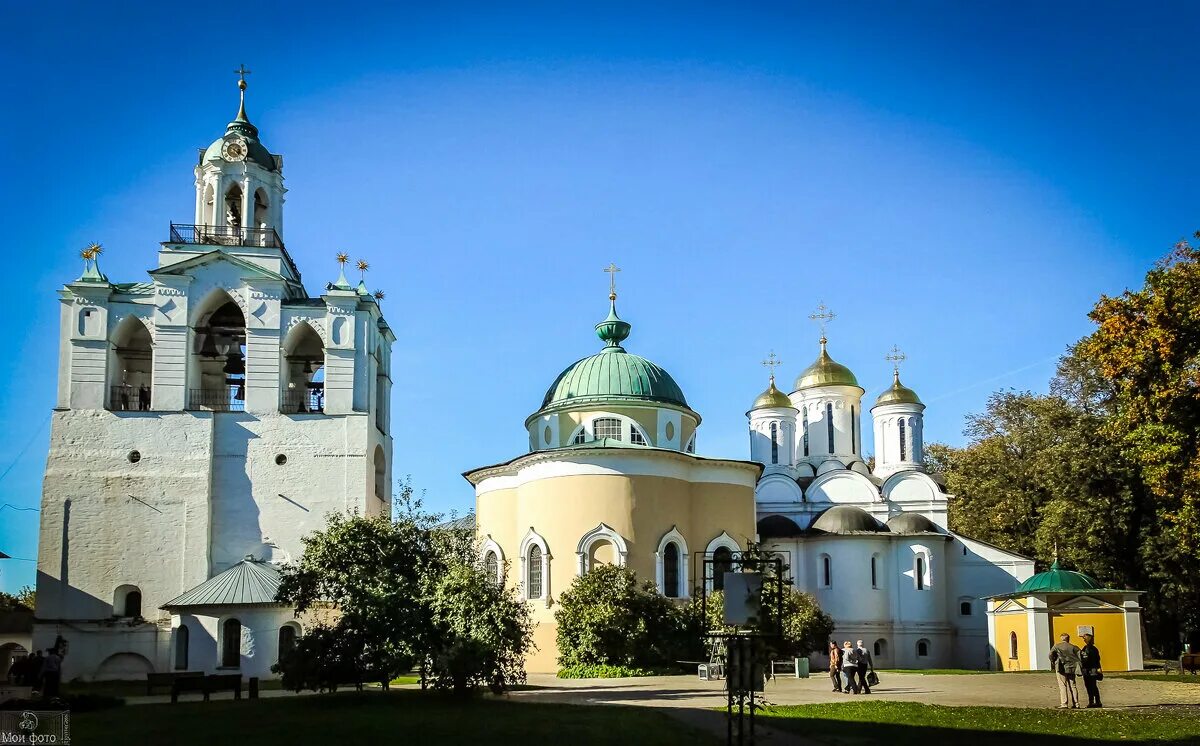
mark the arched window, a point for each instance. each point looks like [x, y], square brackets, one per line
[600, 546]
[534, 565]
[721, 564]
[826, 571]
[261, 211]
[880, 648]
[806, 431]
[922, 648]
[964, 608]
[691, 444]
[671, 570]
[920, 572]
[181, 647]
[829, 424]
[381, 480]
[903, 441]
[382, 405]
[287, 640]
[874, 570]
[491, 566]
[1012, 646]
[233, 207]
[853, 430]
[774, 443]
[231, 644]
[131, 367]
[580, 437]
[635, 435]
[133, 604]
[217, 371]
[302, 372]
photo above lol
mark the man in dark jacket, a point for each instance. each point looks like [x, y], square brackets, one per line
[1089, 661]
[865, 666]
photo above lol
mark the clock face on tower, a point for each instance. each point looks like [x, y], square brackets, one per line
[234, 149]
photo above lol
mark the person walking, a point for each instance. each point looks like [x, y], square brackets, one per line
[33, 674]
[865, 665]
[850, 663]
[1089, 662]
[835, 666]
[1064, 658]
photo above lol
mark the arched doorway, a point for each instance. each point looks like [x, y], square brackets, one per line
[217, 375]
[130, 367]
[303, 369]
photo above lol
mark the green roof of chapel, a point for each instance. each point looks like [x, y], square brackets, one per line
[1058, 580]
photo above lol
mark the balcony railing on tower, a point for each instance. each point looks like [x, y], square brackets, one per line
[310, 400]
[126, 398]
[229, 398]
[225, 235]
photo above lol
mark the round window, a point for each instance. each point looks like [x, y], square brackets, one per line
[280, 459]
[546, 434]
[670, 431]
[134, 457]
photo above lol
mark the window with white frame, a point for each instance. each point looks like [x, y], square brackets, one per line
[580, 437]
[672, 571]
[491, 566]
[691, 444]
[607, 427]
[722, 562]
[533, 569]
[635, 435]
[671, 562]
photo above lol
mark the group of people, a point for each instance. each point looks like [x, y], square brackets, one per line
[42, 672]
[851, 668]
[1070, 662]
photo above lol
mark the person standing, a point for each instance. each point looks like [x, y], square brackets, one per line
[1064, 658]
[835, 666]
[33, 674]
[51, 673]
[1089, 661]
[850, 663]
[865, 665]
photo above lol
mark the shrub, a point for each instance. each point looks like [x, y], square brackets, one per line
[805, 626]
[607, 618]
[611, 672]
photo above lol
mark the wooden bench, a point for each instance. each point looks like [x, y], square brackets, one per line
[206, 685]
[167, 680]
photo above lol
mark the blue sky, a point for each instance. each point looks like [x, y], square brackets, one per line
[960, 179]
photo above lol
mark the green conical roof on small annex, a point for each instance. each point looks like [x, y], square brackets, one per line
[1058, 580]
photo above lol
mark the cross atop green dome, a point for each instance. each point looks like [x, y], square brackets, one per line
[613, 375]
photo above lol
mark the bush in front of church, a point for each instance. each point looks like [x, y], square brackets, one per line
[611, 622]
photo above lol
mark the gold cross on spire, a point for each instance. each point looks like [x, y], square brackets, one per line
[895, 356]
[242, 72]
[822, 316]
[771, 363]
[612, 269]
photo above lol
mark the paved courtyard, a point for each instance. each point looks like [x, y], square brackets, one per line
[997, 690]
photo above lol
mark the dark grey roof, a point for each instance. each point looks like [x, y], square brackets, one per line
[467, 521]
[912, 523]
[777, 526]
[248, 582]
[847, 519]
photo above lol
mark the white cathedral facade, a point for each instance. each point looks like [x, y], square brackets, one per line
[872, 544]
[207, 418]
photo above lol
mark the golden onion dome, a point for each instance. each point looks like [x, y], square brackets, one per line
[825, 372]
[771, 398]
[898, 393]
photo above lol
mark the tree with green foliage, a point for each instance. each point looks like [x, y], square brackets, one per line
[607, 617]
[406, 590]
[25, 597]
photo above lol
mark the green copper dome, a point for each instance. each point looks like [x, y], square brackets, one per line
[825, 372]
[771, 398]
[1058, 580]
[241, 129]
[613, 374]
[898, 393]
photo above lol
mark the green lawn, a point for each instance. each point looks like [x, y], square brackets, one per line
[937, 671]
[376, 717]
[138, 688]
[913, 724]
[1186, 678]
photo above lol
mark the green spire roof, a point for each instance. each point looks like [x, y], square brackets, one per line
[1058, 580]
[613, 375]
[241, 126]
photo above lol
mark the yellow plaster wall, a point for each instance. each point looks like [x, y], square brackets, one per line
[640, 508]
[1110, 634]
[1005, 624]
